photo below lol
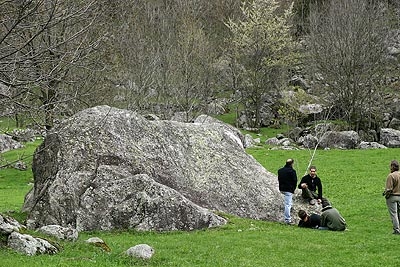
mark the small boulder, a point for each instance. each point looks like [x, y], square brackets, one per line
[9, 225]
[142, 251]
[63, 233]
[30, 245]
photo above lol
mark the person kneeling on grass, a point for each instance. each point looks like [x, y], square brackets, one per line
[309, 221]
[331, 218]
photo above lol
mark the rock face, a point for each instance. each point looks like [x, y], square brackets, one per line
[9, 225]
[107, 168]
[60, 232]
[390, 137]
[29, 245]
[342, 140]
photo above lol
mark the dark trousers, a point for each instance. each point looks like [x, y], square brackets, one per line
[308, 195]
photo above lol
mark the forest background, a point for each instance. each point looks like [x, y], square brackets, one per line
[163, 57]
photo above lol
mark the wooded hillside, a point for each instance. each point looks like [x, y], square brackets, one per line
[58, 57]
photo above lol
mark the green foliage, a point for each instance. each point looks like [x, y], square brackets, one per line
[262, 133]
[263, 35]
[229, 118]
[353, 180]
[7, 124]
[290, 103]
[265, 133]
[262, 48]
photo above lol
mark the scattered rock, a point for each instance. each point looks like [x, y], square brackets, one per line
[63, 233]
[30, 245]
[98, 242]
[142, 251]
[9, 225]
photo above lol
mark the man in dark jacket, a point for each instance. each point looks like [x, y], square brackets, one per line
[331, 218]
[309, 221]
[311, 186]
[287, 179]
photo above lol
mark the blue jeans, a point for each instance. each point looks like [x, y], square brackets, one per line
[288, 206]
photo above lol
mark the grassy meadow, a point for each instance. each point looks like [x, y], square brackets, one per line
[353, 180]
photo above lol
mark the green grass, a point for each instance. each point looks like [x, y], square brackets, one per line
[353, 180]
[266, 133]
[263, 134]
[14, 184]
[229, 118]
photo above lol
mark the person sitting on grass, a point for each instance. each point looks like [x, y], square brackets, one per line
[309, 221]
[331, 218]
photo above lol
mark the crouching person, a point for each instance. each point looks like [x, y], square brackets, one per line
[331, 218]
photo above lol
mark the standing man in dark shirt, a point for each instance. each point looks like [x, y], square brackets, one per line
[309, 186]
[287, 179]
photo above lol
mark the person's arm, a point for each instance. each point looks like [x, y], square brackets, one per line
[389, 183]
[319, 187]
[389, 186]
[323, 220]
[301, 182]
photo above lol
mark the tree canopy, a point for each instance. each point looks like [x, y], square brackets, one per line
[58, 57]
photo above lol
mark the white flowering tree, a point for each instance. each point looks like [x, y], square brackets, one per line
[262, 49]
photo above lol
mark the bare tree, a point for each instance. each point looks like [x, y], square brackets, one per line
[164, 53]
[41, 43]
[347, 47]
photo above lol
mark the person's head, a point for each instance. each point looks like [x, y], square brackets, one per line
[302, 214]
[313, 171]
[289, 162]
[394, 165]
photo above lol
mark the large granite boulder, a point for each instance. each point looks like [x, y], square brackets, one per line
[107, 168]
[390, 137]
[340, 140]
